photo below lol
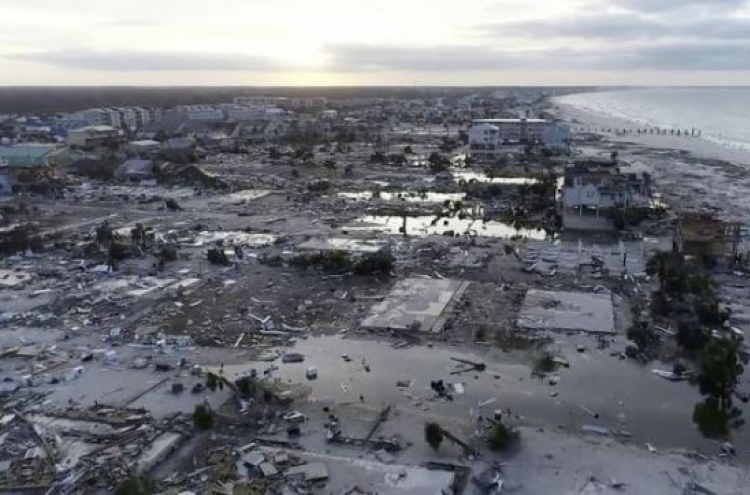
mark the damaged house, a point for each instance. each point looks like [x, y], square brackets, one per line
[593, 187]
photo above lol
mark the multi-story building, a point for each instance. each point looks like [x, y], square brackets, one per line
[484, 141]
[486, 136]
[119, 118]
[261, 101]
[242, 113]
[603, 187]
[203, 113]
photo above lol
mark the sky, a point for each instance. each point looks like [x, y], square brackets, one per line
[374, 42]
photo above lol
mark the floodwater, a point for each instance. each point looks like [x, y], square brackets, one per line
[234, 238]
[626, 395]
[407, 196]
[482, 177]
[431, 225]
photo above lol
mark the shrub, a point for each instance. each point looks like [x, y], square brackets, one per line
[502, 438]
[136, 485]
[203, 417]
[545, 364]
[433, 435]
[212, 382]
[370, 264]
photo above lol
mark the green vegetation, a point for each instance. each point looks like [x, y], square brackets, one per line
[502, 438]
[340, 261]
[438, 163]
[375, 263]
[643, 336]
[544, 364]
[677, 277]
[329, 261]
[433, 435]
[137, 485]
[685, 289]
[245, 386]
[212, 382]
[691, 336]
[720, 369]
[203, 417]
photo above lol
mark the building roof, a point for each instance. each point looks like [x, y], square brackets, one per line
[25, 155]
[312, 471]
[145, 143]
[136, 167]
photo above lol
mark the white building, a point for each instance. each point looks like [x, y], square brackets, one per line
[242, 113]
[203, 113]
[484, 141]
[512, 131]
[599, 188]
[119, 118]
[260, 101]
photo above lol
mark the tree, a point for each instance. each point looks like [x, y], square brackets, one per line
[203, 417]
[643, 336]
[691, 336]
[433, 435]
[502, 437]
[720, 369]
[136, 485]
[408, 150]
[212, 382]
[438, 163]
[613, 156]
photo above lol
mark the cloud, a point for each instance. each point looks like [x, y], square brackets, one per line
[359, 57]
[673, 5]
[672, 55]
[693, 55]
[613, 25]
[134, 61]
[627, 26]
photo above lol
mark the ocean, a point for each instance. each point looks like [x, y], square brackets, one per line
[721, 114]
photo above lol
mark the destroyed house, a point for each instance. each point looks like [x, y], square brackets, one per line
[17, 161]
[701, 234]
[136, 170]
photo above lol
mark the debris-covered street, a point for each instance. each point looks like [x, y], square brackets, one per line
[356, 308]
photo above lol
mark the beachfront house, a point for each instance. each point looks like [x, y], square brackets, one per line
[487, 136]
[593, 188]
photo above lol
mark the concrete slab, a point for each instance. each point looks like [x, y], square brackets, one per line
[385, 479]
[567, 311]
[569, 257]
[416, 303]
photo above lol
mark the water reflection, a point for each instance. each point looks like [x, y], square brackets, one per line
[433, 225]
[484, 178]
[407, 196]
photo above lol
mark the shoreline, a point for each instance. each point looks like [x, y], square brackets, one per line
[690, 173]
[585, 121]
